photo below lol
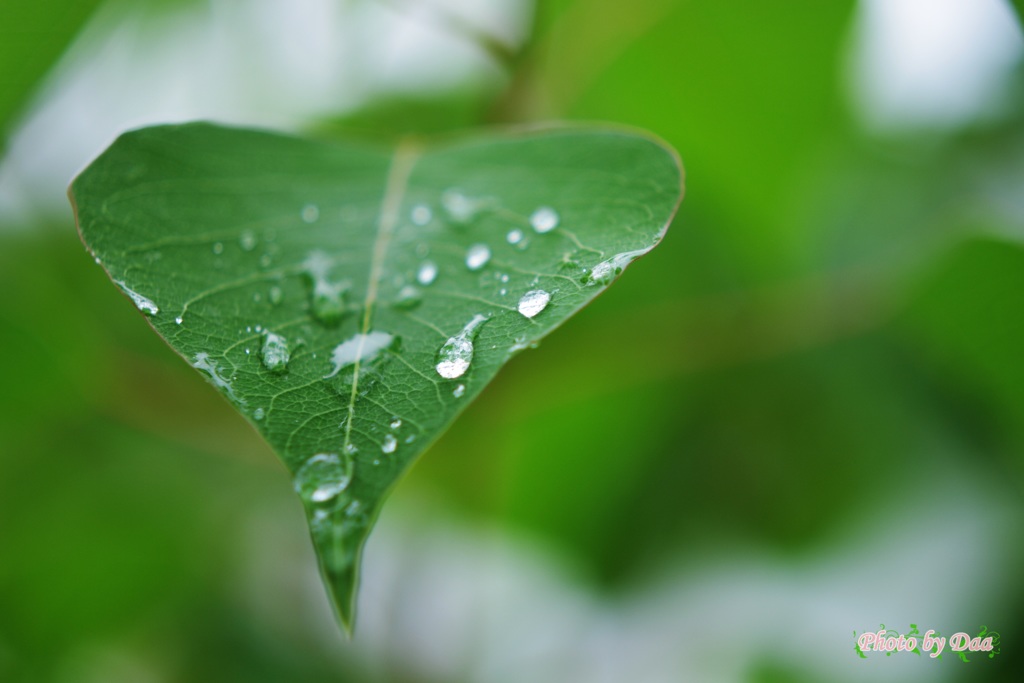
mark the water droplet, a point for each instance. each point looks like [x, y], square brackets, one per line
[310, 213]
[421, 214]
[258, 414]
[533, 302]
[544, 219]
[605, 272]
[203, 363]
[266, 260]
[503, 277]
[179, 320]
[459, 391]
[218, 248]
[396, 423]
[275, 354]
[408, 298]
[362, 347]
[142, 303]
[350, 449]
[390, 444]
[247, 240]
[478, 256]
[514, 236]
[327, 298]
[455, 355]
[323, 477]
[502, 291]
[427, 273]
[275, 295]
[458, 206]
[410, 438]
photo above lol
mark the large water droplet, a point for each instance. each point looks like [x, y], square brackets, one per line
[274, 353]
[310, 213]
[327, 298]
[478, 256]
[142, 303]
[408, 298]
[323, 477]
[421, 214]
[544, 219]
[202, 362]
[456, 354]
[605, 272]
[390, 444]
[362, 347]
[427, 273]
[533, 302]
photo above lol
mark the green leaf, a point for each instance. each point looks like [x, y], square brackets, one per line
[349, 299]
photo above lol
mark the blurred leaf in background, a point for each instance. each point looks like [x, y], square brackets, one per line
[801, 417]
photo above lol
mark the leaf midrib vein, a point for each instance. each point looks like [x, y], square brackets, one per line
[402, 162]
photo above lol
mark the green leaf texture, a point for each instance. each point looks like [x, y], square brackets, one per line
[349, 299]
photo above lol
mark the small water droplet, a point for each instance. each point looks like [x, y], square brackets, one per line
[354, 508]
[478, 256]
[514, 236]
[607, 270]
[275, 295]
[310, 213]
[247, 240]
[179, 320]
[327, 298]
[142, 303]
[362, 347]
[323, 477]
[390, 444]
[266, 260]
[544, 219]
[458, 206]
[258, 414]
[410, 438]
[533, 302]
[421, 214]
[350, 449]
[456, 354]
[459, 391]
[396, 423]
[97, 260]
[203, 363]
[427, 273]
[408, 298]
[502, 291]
[218, 248]
[274, 353]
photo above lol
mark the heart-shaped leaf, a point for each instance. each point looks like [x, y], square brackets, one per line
[350, 299]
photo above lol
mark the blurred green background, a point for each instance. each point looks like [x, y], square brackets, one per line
[800, 417]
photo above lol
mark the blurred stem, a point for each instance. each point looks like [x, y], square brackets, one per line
[562, 62]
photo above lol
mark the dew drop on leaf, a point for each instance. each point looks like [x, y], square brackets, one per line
[606, 271]
[327, 298]
[247, 240]
[396, 423]
[323, 477]
[274, 353]
[544, 219]
[218, 248]
[310, 213]
[275, 295]
[533, 302]
[362, 347]
[514, 236]
[456, 354]
[421, 214]
[458, 391]
[459, 207]
[202, 362]
[408, 298]
[390, 444]
[478, 256]
[427, 273]
[142, 303]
